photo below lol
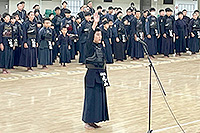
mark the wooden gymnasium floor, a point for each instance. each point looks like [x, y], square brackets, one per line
[50, 101]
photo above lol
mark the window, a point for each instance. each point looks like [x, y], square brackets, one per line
[167, 1]
[74, 6]
[107, 0]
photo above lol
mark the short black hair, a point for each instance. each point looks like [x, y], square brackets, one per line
[35, 6]
[22, 2]
[104, 10]
[161, 10]
[88, 14]
[99, 7]
[67, 11]
[119, 8]
[64, 2]
[129, 9]
[57, 8]
[36, 10]
[145, 11]
[89, 2]
[30, 12]
[5, 14]
[184, 10]
[137, 11]
[110, 8]
[196, 11]
[119, 13]
[51, 14]
[168, 10]
[46, 19]
[180, 13]
[152, 9]
[18, 4]
[15, 14]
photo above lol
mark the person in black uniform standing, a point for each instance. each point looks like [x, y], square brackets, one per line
[95, 103]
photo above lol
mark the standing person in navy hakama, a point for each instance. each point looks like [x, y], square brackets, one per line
[83, 36]
[28, 56]
[95, 102]
[152, 32]
[181, 34]
[17, 38]
[45, 39]
[6, 44]
[168, 34]
[137, 28]
[106, 41]
[64, 42]
[120, 37]
[161, 22]
[194, 34]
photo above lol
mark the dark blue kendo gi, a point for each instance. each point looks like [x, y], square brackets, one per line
[180, 29]
[168, 29]
[28, 56]
[22, 15]
[45, 39]
[64, 42]
[95, 101]
[6, 38]
[120, 32]
[137, 31]
[152, 28]
[129, 18]
[71, 29]
[109, 17]
[17, 40]
[161, 24]
[194, 27]
[108, 49]
[57, 26]
[83, 37]
[187, 21]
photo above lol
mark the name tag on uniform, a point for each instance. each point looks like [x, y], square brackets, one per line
[104, 78]
[50, 45]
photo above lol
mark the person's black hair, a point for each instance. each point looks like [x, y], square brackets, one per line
[22, 2]
[161, 10]
[88, 14]
[119, 13]
[15, 14]
[132, 4]
[115, 8]
[57, 8]
[137, 11]
[168, 10]
[110, 8]
[36, 10]
[64, 2]
[52, 24]
[184, 10]
[152, 9]
[30, 12]
[97, 29]
[18, 4]
[5, 14]
[99, 7]
[105, 22]
[196, 11]
[179, 13]
[67, 11]
[35, 6]
[129, 9]
[46, 19]
[12, 17]
[110, 20]
[146, 11]
[64, 26]
[119, 8]
[51, 14]
[89, 2]
[104, 10]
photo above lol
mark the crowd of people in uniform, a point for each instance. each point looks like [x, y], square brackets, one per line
[28, 39]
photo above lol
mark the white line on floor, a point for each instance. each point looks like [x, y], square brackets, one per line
[167, 128]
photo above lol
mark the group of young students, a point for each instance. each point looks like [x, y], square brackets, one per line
[29, 39]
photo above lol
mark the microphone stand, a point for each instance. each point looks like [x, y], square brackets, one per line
[151, 67]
